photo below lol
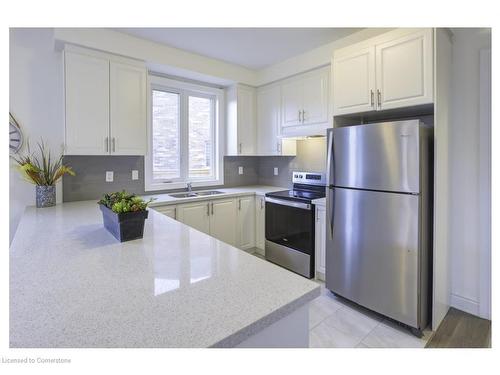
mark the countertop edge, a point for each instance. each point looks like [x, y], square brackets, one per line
[257, 326]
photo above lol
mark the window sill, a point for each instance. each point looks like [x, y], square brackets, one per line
[181, 185]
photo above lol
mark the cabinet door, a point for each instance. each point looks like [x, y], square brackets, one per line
[291, 103]
[128, 109]
[223, 219]
[320, 244]
[195, 215]
[260, 224]
[87, 104]
[315, 97]
[405, 71]
[246, 222]
[354, 81]
[246, 121]
[170, 211]
[268, 120]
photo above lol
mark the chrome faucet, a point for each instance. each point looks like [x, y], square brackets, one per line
[189, 187]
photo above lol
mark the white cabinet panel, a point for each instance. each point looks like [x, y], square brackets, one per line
[291, 103]
[196, 215]
[268, 120]
[87, 104]
[320, 239]
[354, 81]
[170, 211]
[223, 220]
[315, 97]
[128, 109]
[405, 71]
[246, 222]
[241, 121]
[260, 224]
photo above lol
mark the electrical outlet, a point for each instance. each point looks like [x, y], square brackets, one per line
[240, 170]
[275, 171]
[135, 174]
[109, 176]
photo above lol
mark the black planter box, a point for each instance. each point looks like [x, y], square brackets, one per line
[125, 226]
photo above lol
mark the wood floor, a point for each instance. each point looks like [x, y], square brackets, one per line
[462, 330]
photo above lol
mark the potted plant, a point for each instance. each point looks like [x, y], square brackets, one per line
[43, 171]
[124, 214]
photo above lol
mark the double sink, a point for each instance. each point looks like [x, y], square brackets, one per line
[192, 194]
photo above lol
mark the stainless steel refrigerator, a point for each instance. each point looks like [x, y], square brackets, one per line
[379, 218]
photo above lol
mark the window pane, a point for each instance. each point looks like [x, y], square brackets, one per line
[166, 145]
[200, 137]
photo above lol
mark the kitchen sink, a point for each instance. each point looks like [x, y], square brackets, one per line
[195, 194]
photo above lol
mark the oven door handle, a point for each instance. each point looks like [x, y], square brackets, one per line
[304, 206]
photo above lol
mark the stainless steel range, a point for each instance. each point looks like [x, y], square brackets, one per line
[290, 220]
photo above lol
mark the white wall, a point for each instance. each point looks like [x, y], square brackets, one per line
[464, 148]
[36, 101]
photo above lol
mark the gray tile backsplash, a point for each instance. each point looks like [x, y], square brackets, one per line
[89, 182]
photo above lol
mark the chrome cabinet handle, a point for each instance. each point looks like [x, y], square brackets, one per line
[175, 213]
[208, 209]
[114, 144]
[106, 142]
[379, 98]
[239, 204]
[239, 148]
[261, 203]
[371, 98]
[303, 116]
[299, 115]
[212, 208]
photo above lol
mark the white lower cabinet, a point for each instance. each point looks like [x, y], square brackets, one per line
[170, 211]
[222, 219]
[196, 215]
[246, 222]
[260, 224]
[320, 245]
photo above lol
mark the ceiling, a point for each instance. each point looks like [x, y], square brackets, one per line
[253, 48]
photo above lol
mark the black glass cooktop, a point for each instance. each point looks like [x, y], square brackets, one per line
[298, 195]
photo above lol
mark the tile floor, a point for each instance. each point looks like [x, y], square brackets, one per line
[338, 323]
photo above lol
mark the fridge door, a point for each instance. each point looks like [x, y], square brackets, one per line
[383, 156]
[372, 251]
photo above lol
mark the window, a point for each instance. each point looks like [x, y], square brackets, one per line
[184, 135]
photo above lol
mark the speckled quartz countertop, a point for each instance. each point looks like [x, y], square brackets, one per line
[166, 199]
[73, 285]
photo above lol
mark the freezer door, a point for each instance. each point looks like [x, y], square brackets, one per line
[383, 156]
[372, 251]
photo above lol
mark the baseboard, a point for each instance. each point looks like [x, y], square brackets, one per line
[464, 304]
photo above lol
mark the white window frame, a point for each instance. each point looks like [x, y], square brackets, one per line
[185, 89]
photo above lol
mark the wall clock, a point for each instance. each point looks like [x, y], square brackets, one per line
[15, 135]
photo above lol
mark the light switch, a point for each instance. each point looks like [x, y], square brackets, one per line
[135, 174]
[240, 170]
[109, 176]
[275, 171]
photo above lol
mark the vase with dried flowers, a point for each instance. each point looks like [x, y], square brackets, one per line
[40, 169]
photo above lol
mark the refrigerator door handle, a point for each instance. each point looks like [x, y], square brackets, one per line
[329, 159]
[330, 209]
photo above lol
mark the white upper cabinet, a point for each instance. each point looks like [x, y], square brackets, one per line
[128, 109]
[269, 141]
[405, 71]
[241, 128]
[305, 104]
[354, 81]
[87, 104]
[105, 104]
[291, 103]
[304, 99]
[393, 70]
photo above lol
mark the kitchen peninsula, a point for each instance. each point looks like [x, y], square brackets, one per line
[73, 285]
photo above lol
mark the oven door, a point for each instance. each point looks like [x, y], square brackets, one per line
[290, 235]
